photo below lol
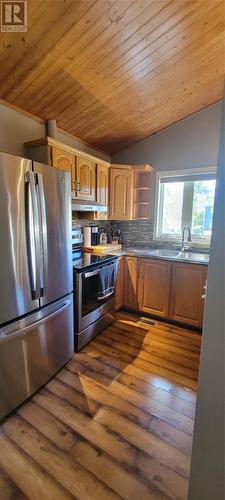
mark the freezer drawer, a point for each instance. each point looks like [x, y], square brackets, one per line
[32, 350]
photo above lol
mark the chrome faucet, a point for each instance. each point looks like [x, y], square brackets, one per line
[183, 246]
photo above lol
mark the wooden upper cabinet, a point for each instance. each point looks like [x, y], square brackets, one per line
[102, 190]
[83, 173]
[143, 192]
[154, 286]
[102, 185]
[119, 284]
[86, 179]
[66, 161]
[81, 165]
[130, 299]
[186, 304]
[121, 193]
[131, 192]
[62, 159]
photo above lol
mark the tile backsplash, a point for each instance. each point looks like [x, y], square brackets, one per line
[134, 233]
[139, 233]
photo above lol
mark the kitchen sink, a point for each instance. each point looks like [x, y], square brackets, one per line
[194, 256]
[177, 254]
[165, 253]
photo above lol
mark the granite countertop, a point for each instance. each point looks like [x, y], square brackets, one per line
[191, 256]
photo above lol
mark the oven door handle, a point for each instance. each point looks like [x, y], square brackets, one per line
[90, 274]
[94, 273]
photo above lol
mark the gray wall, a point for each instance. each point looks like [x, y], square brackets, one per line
[17, 128]
[207, 469]
[191, 143]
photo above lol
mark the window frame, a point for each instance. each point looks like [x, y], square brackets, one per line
[176, 238]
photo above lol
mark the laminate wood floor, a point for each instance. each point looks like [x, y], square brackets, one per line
[115, 422]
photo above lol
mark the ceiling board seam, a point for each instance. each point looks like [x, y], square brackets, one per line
[118, 87]
[125, 39]
[150, 114]
[166, 127]
[83, 48]
[66, 34]
[157, 68]
[147, 111]
[71, 7]
[37, 22]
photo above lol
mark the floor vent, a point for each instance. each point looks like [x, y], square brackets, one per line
[147, 321]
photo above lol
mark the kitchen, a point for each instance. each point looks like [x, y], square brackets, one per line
[106, 223]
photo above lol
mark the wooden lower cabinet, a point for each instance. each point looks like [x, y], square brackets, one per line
[119, 285]
[170, 290]
[186, 303]
[130, 298]
[154, 286]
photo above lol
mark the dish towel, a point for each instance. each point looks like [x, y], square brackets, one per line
[106, 281]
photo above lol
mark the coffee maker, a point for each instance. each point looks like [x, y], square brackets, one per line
[94, 235]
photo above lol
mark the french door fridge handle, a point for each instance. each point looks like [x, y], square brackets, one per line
[33, 232]
[43, 233]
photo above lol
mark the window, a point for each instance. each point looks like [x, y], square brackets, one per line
[186, 199]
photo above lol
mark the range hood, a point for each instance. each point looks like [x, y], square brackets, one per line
[86, 206]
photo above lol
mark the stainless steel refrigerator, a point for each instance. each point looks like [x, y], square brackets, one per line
[36, 284]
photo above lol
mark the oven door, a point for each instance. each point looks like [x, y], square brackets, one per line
[89, 306]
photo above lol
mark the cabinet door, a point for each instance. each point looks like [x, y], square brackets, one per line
[154, 286]
[86, 179]
[130, 283]
[66, 161]
[120, 194]
[119, 285]
[187, 305]
[102, 190]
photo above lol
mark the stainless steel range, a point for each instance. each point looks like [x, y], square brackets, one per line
[94, 291]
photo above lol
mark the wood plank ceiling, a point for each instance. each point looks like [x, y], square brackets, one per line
[113, 72]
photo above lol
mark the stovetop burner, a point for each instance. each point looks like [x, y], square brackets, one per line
[84, 260]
